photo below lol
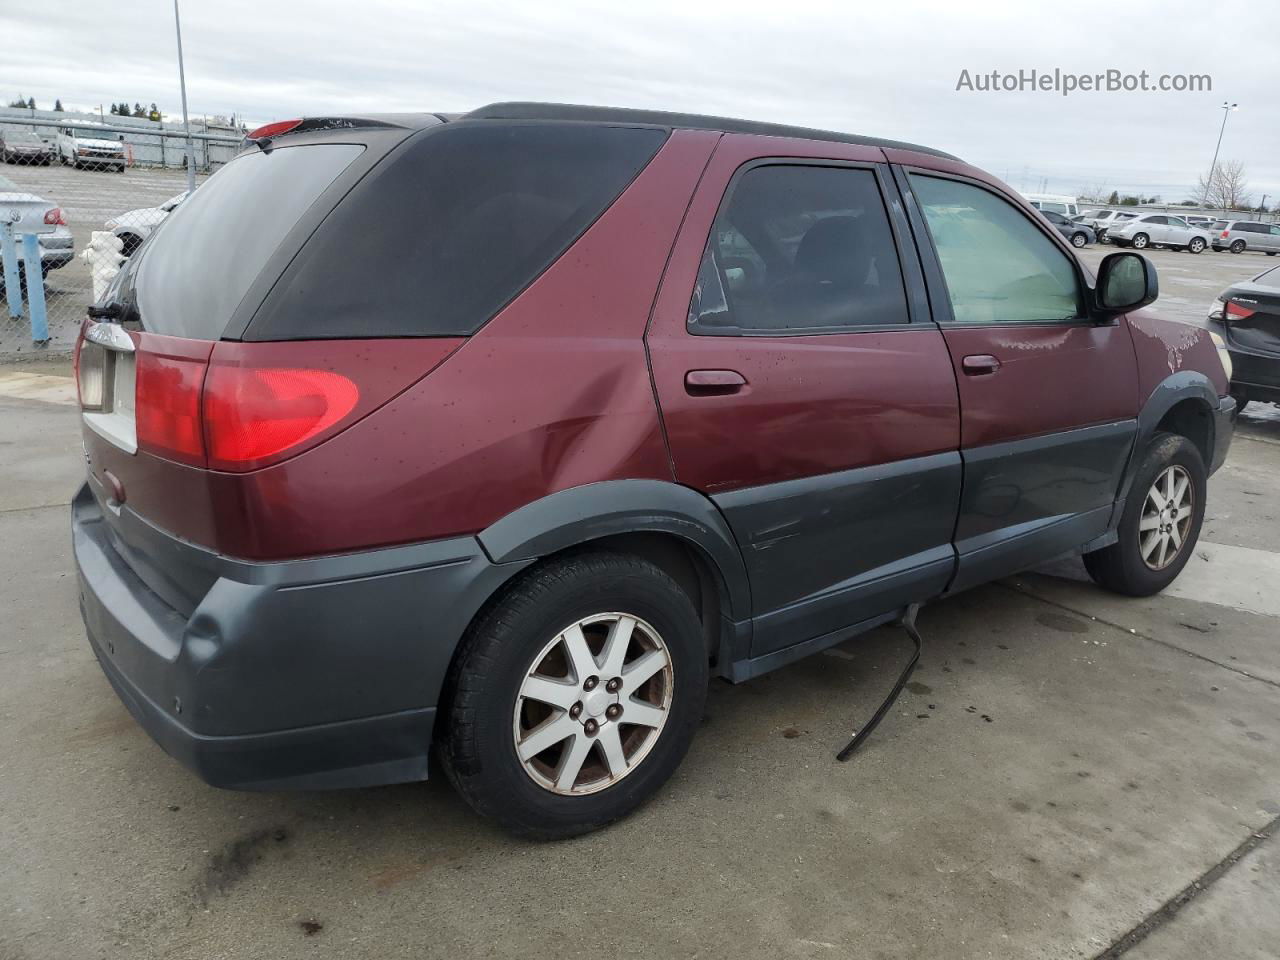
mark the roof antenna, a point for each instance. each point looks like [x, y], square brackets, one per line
[908, 623]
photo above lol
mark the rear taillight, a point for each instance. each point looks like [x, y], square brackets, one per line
[1237, 311]
[54, 217]
[1223, 235]
[238, 407]
[168, 407]
[253, 414]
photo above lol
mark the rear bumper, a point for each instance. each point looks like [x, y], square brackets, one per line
[1255, 373]
[1223, 428]
[306, 674]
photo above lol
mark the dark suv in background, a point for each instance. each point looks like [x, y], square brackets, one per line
[505, 432]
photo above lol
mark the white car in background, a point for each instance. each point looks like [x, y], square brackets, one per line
[1159, 230]
[85, 146]
[134, 226]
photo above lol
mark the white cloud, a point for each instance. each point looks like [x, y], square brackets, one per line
[885, 69]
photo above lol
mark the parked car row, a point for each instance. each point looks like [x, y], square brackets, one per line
[81, 146]
[1191, 232]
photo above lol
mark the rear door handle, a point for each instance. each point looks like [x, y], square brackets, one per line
[713, 383]
[979, 365]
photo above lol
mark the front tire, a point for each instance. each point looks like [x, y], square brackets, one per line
[546, 681]
[1079, 240]
[1161, 521]
[1196, 245]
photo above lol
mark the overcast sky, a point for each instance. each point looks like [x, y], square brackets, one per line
[884, 69]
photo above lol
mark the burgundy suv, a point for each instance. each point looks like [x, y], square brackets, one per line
[506, 432]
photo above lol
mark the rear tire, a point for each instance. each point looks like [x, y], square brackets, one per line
[1140, 241]
[1126, 566]
[524, 637]
[1237, 247]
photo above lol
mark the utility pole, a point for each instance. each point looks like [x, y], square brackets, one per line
[186, 122]
[1227, 109]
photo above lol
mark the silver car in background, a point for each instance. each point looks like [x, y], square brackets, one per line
[57, 247]
[1159, 230]
[1241, 235]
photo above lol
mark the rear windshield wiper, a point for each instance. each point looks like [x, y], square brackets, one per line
[112, 311]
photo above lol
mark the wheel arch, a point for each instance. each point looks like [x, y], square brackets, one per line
[650, 517]
[1181, 403]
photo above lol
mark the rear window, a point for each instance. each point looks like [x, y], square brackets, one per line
[210, 249]
[1269, 279]
[451, 227]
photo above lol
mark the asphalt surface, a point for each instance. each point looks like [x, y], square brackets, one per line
[1069, 774]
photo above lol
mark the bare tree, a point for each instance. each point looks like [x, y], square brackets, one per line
[1226, 187]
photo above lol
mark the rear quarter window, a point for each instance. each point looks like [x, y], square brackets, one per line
[451, 227]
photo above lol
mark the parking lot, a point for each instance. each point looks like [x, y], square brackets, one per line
[1068, 774]
[88, 198]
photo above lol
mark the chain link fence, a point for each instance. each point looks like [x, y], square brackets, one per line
[90, 197]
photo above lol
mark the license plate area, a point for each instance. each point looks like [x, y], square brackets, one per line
[108, 385]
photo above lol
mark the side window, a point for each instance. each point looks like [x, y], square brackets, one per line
[998, 265]
[799, 249]
[1156, 221]
[1275, 231]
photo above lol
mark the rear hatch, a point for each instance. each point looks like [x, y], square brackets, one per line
[311, 281]
[153, 370]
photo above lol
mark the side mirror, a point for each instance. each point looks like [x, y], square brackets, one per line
[1126, 281]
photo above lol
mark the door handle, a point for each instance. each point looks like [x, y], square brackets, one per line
[713, 383]
[979, 365]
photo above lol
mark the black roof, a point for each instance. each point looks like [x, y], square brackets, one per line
[662, 118]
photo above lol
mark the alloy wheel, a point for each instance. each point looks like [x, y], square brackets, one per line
[1166, 517]
[1140, 241]
[593, 704]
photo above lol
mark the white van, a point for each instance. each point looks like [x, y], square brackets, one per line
[1056, 202]
[82, 145]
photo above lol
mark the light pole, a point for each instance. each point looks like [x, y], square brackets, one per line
[186, 122]
[1227, 109]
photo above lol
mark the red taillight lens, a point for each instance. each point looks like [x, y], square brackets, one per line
[168, 407]
[272, 129]
[54, 217]
[1223, 235]
[252, 414]
[1235, 310]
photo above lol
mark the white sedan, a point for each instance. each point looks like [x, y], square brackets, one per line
[135, 226]
[1159, 230]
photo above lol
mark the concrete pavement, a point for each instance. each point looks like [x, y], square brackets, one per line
[1063, 768]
